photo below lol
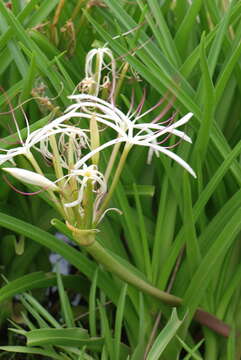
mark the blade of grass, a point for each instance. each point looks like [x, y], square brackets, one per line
[65, 304]
[226, 73]
[183, 32]
[202, 276]
[42, 12]
[16, 54]
[192, 246]
[165, 227]
[119, 322]
[34, 313]
[92, 305]
[165, 336]
[161, 31]
[218, 140]
[227, 295]
[198, 207]
[105, 330]
[41, 59]
[41, 310]
[27, 350]
[201, 144]
[63, 337]
[143, 235]
[75, 257]
[21, 16]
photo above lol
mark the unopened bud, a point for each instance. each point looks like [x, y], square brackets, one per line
[94, 139]
[32, 178]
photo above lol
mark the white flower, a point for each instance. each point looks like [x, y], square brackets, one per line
[127, 127]
[71, 136]
[32, 178]
[41, 137]
[83, 176]
[99, 187]
[94, 66]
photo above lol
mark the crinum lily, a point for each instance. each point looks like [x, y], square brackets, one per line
[63, 144]
[40, 136]
[95, 64]
[127, 127]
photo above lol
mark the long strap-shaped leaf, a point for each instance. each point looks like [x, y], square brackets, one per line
[165, 77]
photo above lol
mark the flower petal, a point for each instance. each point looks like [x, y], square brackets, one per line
[170, 154]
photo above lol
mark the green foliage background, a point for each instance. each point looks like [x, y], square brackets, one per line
[180, 233]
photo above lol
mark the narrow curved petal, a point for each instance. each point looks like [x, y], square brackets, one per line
[170, 154]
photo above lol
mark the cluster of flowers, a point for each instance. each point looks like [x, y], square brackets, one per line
[80, 190]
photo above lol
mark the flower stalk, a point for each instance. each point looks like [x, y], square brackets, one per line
[103, 257]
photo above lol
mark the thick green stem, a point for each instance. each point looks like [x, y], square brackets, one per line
[104, 258]
[111, 264]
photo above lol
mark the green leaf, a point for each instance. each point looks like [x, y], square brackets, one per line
[204, 273]
[35, 280]
[65, 304]
[183, 33]
[197, 210]
[143, 235]
[64, 337]
[42, 12]
[41, 60]
[161, 31]
[201, 144]
[106, 330]
[142, 190]
[191, 352]
[119, 321]
[16, 54]
[26, 350]
[165, 336]
[192, 245]
[41, 310]
[161, 77]
[92, 305]
[227, 71]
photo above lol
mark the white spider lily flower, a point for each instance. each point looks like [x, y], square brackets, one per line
[155, 147]
[71, 136]
[94, 65]
[41, 136]
[83, 176]
[32, 178]
[111, 116]
[129, 130]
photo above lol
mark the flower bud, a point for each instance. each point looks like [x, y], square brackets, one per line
[94, 139]
[32, 178]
